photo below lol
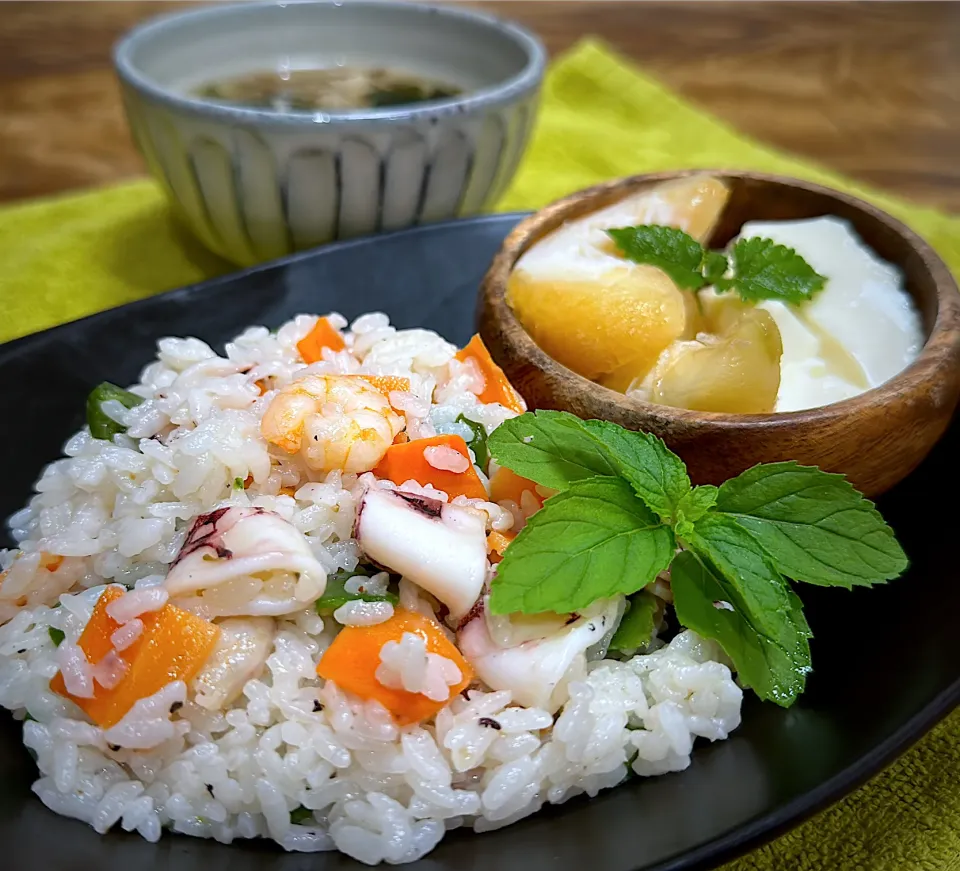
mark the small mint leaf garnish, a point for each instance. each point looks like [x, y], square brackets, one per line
[714, 266]
[705, 602]
[675, 252]
[300, 815]
[656, 473]
[762, 269]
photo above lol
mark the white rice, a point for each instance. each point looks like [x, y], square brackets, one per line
[119, 513]
[136, 603]
[446, 459]
[358, 613]
[127, 634]
[406, 665]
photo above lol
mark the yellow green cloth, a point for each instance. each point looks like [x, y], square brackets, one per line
[600, 118]
[64, 258]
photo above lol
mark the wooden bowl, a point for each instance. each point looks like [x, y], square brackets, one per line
[876, 438]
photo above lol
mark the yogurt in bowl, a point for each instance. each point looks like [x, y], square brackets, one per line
[613, 303]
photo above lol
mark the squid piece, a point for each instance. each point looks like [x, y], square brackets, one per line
[439, 547]
[241, 652]
[244, 562]
[536, 672]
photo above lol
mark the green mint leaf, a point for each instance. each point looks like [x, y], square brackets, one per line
[739, 558]
[762, 269]
[557, 449]
[56, 635]
[336, 595]
[592, 541]
[696, 502]
[551, 448]
[477, 442]
[101, 426]
[714, 266]
[300, 815]
[638, 623]
[658, 475]
[770, 650]
[767, 613]
[675, 252]
[814, 525]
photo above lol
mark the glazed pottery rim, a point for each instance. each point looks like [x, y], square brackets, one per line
[945, 330]
[503, 93]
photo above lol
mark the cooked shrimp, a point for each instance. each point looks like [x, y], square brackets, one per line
[240, 654]
[336, 422]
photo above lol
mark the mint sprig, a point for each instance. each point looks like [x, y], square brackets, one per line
[626, 503]
[757, 269]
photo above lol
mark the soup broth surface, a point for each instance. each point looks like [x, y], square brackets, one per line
[346, 87]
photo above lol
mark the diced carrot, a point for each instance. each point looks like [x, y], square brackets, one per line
[497, 543]
[351, 662]
[496, 388]
[247, 482]
[506, 484]
[405, 462]
[401, 438]
[386, 383]
[174, 645]
[323, 335]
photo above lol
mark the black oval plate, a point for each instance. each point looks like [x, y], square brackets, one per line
[887, 661]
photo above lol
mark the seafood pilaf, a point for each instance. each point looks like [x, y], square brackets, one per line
[252, 601]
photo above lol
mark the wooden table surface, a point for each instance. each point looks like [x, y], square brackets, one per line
[871, 89]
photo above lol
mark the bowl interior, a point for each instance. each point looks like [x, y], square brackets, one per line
[181, 52]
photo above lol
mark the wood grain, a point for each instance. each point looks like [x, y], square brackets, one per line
[871, 89]
[876, 439]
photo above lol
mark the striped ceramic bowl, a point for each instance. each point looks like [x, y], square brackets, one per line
[255, 184]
